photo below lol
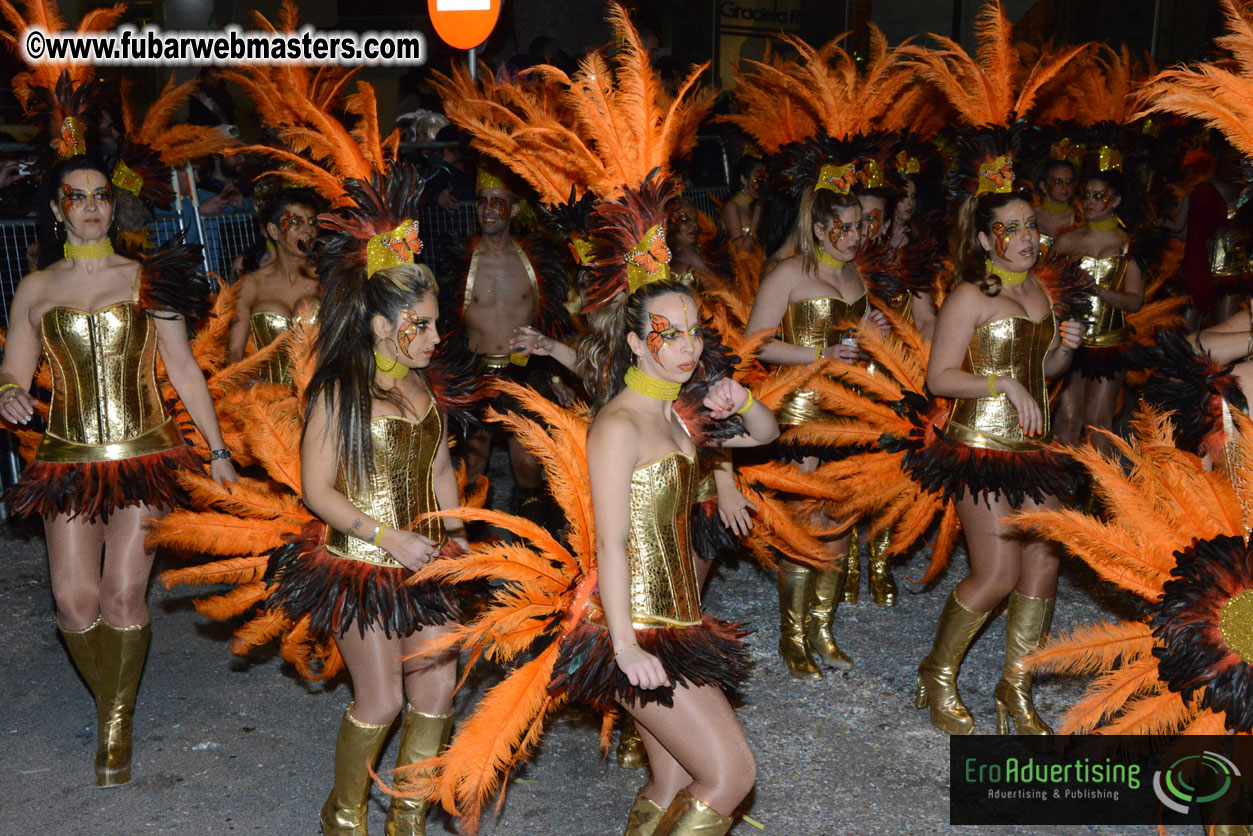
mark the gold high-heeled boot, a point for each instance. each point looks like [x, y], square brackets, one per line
[631, 754]
[687, 816]
[119, 666]
[882, 584]
[1027, 622]
[828, 586]
[937, 675]
[356, 751]
[84, 648]
[795, 590]
[852, 569]
[422, 736]
[644, 815]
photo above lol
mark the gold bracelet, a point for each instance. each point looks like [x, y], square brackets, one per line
[378, 536]
[748, 404]
[817, 353]
[7, 386]
[992, 384]
[625, 649]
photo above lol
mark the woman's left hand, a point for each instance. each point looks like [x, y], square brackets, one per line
[736, 512]
[725, 398]
[222, 471]
[1072, 334]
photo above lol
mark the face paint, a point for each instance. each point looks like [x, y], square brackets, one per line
[73, 198]
[410, 324]
[874, 222]
[1101, 196]
[841, 230]
[664, 332]
[687, 324]
[290, 221]
[494, 204]
[1001, 235]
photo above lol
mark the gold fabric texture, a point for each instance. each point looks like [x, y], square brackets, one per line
[1228, 255]
[268, 326]
[401, 488]
[1010, 347]
[1107, 325]
[1235, 623]
[815, 323]
[105, 401]
[664, 589]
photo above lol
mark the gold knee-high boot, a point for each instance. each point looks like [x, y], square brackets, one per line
[119, 666]
[631, 754]
[84, 648]
[1026, 624]
[644, 816]
[882, 584]
[422, 736]
[795, 589]
[852, 569]
[356, 752]
[937, 675]
[828, 586]
[687, 816]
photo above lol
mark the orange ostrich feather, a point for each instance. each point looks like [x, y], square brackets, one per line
[176, 144]
[45, 15]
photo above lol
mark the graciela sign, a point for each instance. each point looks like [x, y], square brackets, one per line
[463, 24]
[1094, 779]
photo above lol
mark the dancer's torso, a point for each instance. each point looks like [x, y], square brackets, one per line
[815, 323]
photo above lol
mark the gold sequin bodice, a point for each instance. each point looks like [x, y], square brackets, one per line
[266, 327]
[815, 323]
[1228, 253]
[105, 401]
[1046, 244]
[1106, 323]
[1010, 347]
[664, 588]
[400, 488]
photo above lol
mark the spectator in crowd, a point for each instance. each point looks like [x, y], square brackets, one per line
[211, 104]
[450, 181]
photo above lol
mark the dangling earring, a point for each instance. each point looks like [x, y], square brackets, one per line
[56, 228]
[392, 367]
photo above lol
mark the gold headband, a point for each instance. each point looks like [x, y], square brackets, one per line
[73, 139]
[125, 177]
[582, 249]
[392, 248]
[907, 164]
[837, 178]
[487, 180]
[649, 261]
[997, 175]
[1108, 159]
[871, 175]
[1066, 150]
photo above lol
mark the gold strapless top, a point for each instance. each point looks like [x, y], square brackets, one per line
[1010, 347]
[105, 401]
[400, 489]
[268, 326]
[1046, 243]
[1106, 323]
[664, 590]
[1228, 254]
[902, 304]
[815, 323]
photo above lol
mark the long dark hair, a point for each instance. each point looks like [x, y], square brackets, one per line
[343, 376]
[51, 245]
[603, 351]
[976, 216]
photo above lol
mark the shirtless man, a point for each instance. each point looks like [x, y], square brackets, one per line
[503, 282]
[267, 300]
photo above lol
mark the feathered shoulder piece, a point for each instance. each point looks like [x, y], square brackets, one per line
[1218, 94]
[995, 86]
[173, 279]
[1175, 535]
[604, 128]
[888, 273]
[1063, 280]
[629, 235]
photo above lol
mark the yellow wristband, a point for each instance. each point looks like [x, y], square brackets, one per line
[748, 404]
[378, 536]
[817, 353]
[992, 384]
[7, 386]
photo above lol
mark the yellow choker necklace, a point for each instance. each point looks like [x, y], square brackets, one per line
[827, 259]
[99, 250]
[388, 366]
[1007, 277]
[1054, 208]
[1109, 223]
[651, 387]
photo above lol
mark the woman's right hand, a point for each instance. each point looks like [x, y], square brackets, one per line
[642, 668]
[527, 341]
[843, 352]
[1030, 418]
[411, 550]
[16, 405]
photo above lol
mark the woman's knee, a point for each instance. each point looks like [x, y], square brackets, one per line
[377, 709]
[77, 608]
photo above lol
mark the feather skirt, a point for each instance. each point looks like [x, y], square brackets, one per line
[93, 490]
[711, 540]
[951, 469]
[334, 592]
[1103, 362]
[711, 653]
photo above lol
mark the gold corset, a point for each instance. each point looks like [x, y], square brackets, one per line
[1106, 323]
[664, 589]
[266, 327]
[400, 489]
[814, 323]
[902, 304]
[1010, 347]
[1046, 243]
[105, 401]
[1228, 255]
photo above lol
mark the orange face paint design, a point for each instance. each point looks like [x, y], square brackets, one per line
[874, 222]
[409, 324]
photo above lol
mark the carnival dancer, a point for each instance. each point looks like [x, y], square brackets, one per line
[1056, 185]
[741, 213]
[267, 300]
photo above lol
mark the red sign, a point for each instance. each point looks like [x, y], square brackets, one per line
[463, 24]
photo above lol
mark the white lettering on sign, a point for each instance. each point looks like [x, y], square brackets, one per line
[463, 5]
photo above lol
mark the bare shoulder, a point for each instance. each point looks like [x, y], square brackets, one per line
[1070, 242]
[783, 275]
